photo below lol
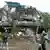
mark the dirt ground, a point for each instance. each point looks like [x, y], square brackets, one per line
[22, 44]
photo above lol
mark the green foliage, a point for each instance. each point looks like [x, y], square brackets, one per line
[46, 17]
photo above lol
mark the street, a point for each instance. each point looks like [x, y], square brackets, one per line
[22, 44]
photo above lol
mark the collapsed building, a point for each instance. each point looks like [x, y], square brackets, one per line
[22, 17]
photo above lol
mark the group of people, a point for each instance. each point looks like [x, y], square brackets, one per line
[41, 33]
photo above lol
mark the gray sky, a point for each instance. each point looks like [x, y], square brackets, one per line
[42, 5]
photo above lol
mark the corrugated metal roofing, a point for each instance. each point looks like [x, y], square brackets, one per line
[15, 4]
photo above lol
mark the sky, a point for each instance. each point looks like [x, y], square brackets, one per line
[42, 5]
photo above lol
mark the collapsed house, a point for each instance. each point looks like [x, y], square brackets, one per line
[22, 17]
